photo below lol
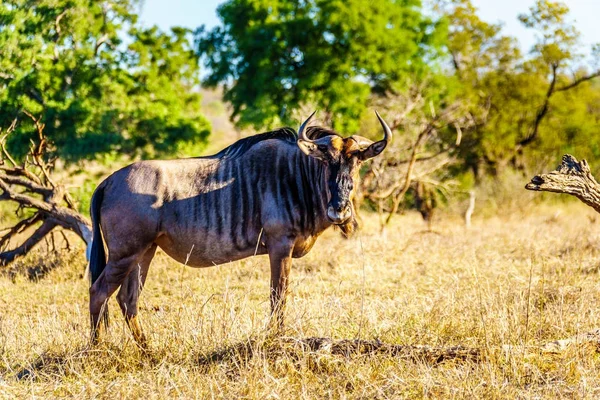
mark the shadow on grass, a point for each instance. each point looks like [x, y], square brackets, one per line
[38, 264]
[51, 365]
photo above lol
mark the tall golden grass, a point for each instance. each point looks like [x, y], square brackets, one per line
[506, 286]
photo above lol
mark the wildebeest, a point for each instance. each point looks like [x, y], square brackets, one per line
[272, 193]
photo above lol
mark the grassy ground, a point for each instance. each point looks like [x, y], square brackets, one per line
[517, 281]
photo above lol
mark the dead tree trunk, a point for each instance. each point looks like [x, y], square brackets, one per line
[470, 209]
[571, 177]
[426, 202]
[30, 186]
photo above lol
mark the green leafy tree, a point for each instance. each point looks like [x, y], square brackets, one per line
[556, 50]
[273, 57]
[516, 100]
[99, 80]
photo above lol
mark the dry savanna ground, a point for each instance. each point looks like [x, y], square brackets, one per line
[507, 286]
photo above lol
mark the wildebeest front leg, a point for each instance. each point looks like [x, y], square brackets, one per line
[129, 294]
[280, 256]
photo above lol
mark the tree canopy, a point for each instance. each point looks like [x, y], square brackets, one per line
[279, 59]
[99, 81]
[274, 57]
[519, 101]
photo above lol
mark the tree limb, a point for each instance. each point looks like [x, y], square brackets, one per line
[35, 238]
[552, 89]
[407, 179]
[99, 43]
[5, 152]
[18, 228]
[51, 202]
[343, 348]
[40, 149]
[542, 111]
[27, 184]
[68, 218]
[431, 126]
[21, 171]
[578, 81]
[570, 177]
[324, 346]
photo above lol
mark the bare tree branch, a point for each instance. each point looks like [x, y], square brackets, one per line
[397, 198]
[38, 151]
[552, 89]
[26, 183]
[68, 216]
[18, 228]
[578, 81]
[571, 177]
[58, 33]
[35, 238]
[5, 152]
[21, 171]
[99, 43]
[542, 111]
[51, 202]
[102, 39]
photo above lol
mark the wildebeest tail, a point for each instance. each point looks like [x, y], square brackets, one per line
[97, 254]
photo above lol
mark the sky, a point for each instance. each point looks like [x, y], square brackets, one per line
[193, 13]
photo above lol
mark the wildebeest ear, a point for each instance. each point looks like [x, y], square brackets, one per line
[313, 149]
[373, 150]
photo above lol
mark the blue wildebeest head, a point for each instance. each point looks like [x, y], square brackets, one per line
[343, 157]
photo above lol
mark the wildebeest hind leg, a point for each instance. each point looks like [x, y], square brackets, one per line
[129, 294]
[109, 280]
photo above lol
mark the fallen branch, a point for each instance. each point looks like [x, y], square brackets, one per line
[18, 228]
[571, 177]
[30, 186]
[35, 238]
[558, 346]
[346, 348]
[297, 348]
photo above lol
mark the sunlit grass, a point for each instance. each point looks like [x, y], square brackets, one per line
[518, 281]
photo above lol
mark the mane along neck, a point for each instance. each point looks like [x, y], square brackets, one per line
[315, 190]
[289, 135]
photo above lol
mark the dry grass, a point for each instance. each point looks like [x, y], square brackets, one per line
[517, 281]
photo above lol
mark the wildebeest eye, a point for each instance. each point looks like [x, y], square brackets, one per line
[322, 148]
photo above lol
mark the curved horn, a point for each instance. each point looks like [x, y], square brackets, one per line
[376, 148]
[302, 130]
[387, 132]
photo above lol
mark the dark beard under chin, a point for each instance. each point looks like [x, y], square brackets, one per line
[349, 227]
